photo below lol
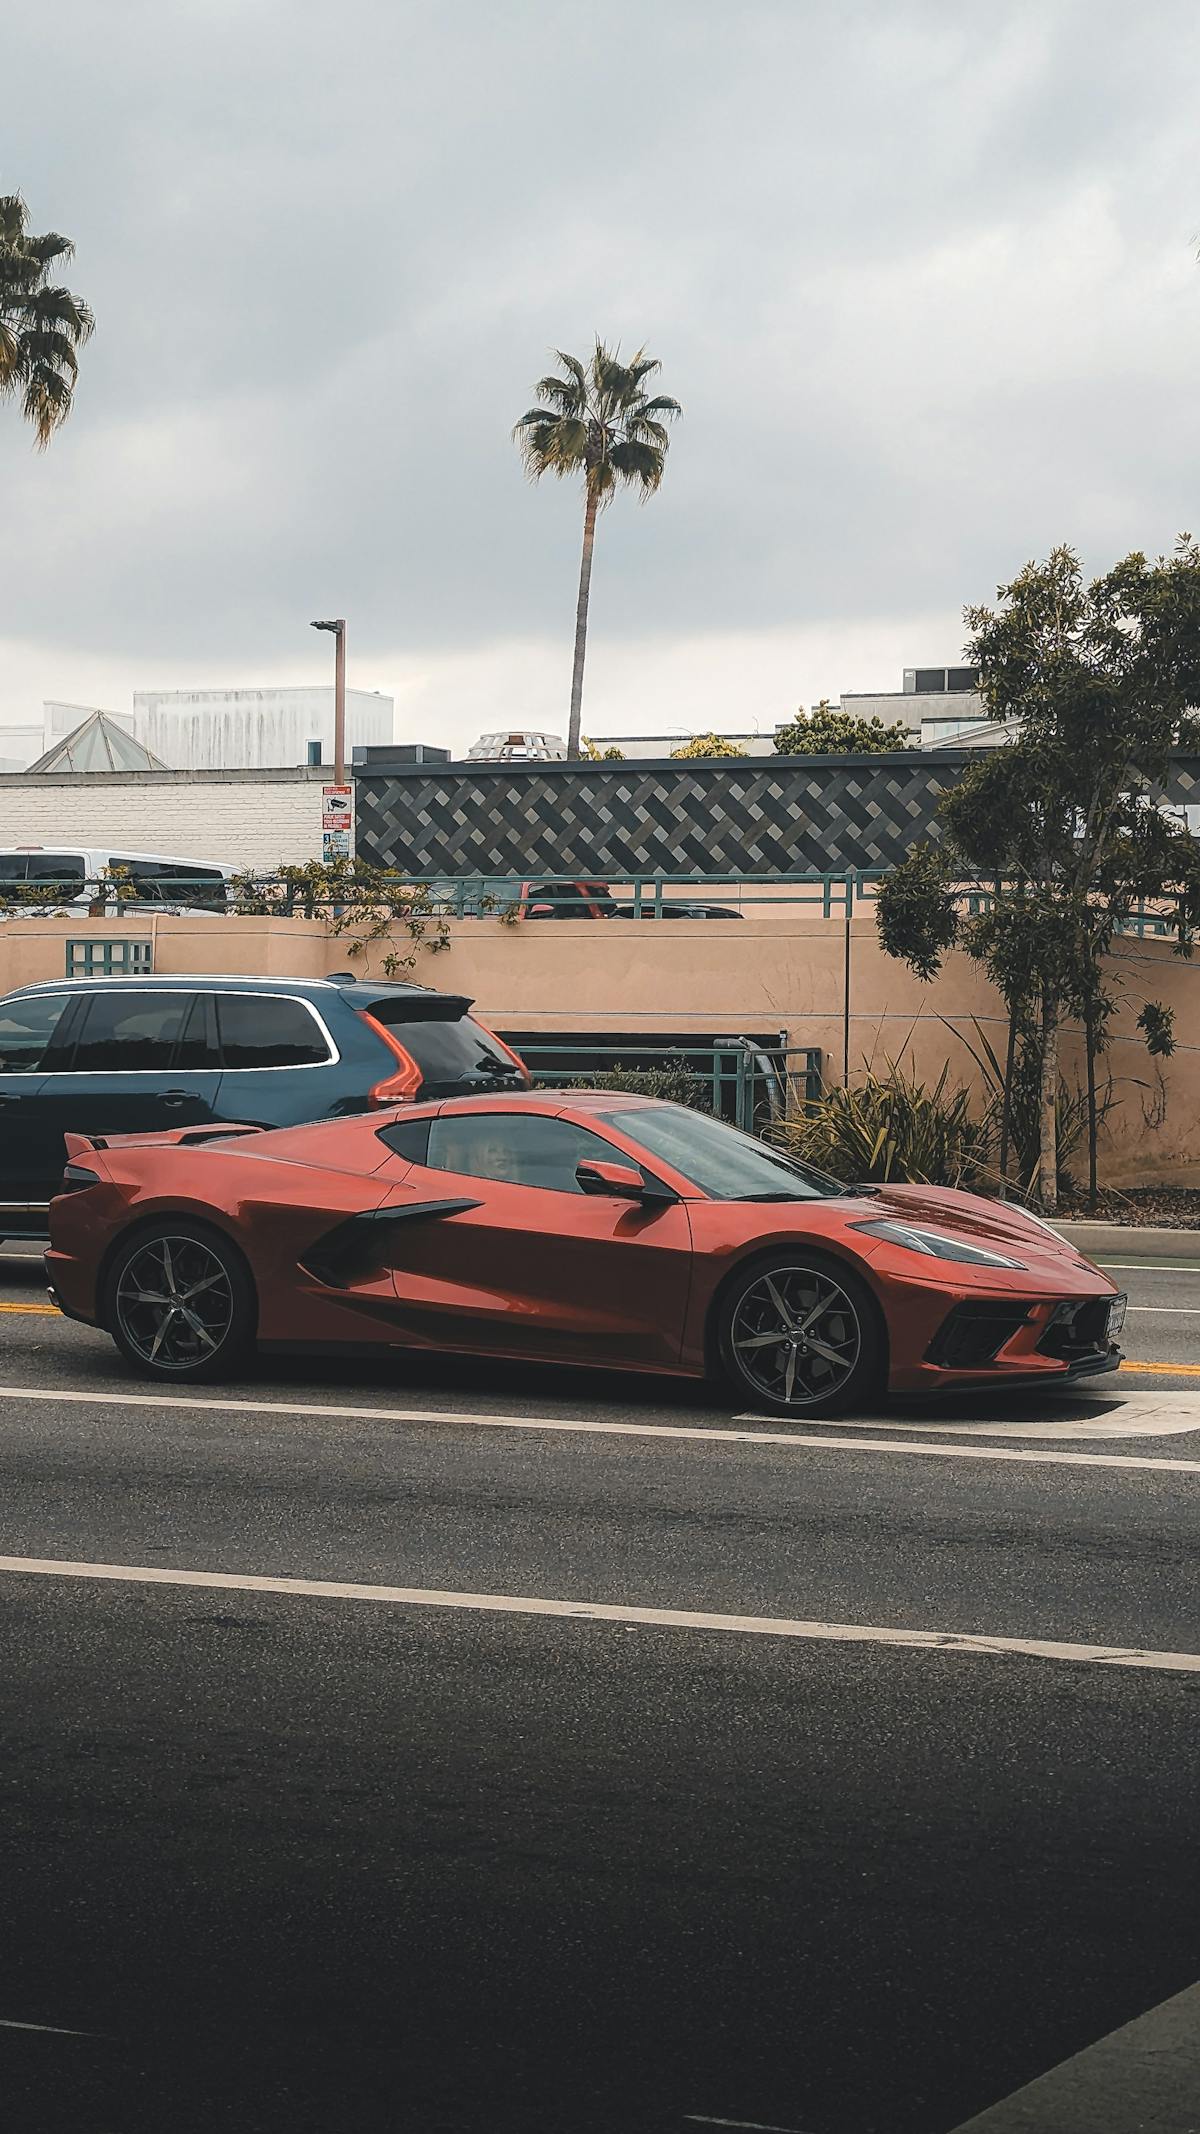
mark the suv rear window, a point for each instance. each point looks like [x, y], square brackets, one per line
[268, 1030]
[449, 1054]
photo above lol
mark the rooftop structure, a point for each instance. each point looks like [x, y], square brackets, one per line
[98, 743]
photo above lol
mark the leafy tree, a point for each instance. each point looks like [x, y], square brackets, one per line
[41, 324]
[1060, 825]
[708, 745]
[826, 731]
[596, 754]
[596, 420]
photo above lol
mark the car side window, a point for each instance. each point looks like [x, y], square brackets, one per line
[408, 1138]
[196, 1052]
[26, 1028]
[268, 1030]
[514, 1148]
[128, 1032]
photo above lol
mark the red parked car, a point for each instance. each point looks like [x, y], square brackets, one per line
[591, 1229]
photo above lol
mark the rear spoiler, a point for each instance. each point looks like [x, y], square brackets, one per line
[433, 1008]
[177, 1137]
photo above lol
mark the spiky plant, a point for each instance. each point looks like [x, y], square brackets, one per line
[597, 420]
[41, 324]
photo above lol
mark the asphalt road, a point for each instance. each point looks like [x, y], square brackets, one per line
[287, 1859]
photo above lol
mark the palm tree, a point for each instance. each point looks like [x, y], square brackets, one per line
[41, 325]
[596, 421]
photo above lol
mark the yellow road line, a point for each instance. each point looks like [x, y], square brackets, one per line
[51, 1310]
[1177, 1370]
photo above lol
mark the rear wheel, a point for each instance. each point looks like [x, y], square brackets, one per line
[179, 1302]
[799, 1335]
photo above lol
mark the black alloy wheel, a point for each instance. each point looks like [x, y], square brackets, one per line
[799, 1335]
[179, 1302]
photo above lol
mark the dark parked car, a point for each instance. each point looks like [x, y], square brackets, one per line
[135, 1055]
[595, 900]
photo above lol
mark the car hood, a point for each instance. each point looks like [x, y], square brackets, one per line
[995, 1222]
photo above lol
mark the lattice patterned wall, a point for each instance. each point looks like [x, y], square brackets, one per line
[764, 816]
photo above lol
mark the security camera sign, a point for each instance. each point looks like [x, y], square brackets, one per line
[337, 823]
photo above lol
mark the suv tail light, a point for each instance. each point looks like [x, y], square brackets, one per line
[404, 1083]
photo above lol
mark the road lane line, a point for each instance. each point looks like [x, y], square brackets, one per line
[1169, 1311]
[48, 1311]
[757, 2126]
[571, 1425]
[49, 2030]
[1163, 1370]
[1147, 1267]
[762, 1626]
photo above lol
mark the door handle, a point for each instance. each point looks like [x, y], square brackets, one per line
[175, 1096]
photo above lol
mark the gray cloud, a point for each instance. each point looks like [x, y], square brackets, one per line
[920, 274]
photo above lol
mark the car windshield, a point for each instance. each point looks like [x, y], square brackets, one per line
[725, 1163]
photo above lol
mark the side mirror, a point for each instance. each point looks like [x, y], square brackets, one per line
[613, 1181]
[540, 911]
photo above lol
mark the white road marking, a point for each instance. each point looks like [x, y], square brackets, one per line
[49, 2030]
[1146, 1267]
[1122, 1420]
[758, 2126]
[1169, 1311]
[760, 1626]
[466, 1418]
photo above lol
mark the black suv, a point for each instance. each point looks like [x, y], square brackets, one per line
[136, 1055]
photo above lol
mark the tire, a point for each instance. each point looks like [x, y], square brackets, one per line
[839, 1364]
[208, 1330]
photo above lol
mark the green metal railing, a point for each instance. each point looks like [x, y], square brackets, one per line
[742, 1080]
[109, 959]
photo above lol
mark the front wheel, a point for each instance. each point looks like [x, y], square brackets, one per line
[799, 1335]
[179, 1303]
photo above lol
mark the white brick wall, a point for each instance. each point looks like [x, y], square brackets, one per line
[238, 818]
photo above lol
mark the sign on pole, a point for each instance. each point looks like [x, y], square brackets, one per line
[337, 823]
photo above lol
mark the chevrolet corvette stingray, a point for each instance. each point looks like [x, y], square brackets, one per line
[585, 1228]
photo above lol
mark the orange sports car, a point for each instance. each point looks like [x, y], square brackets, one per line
[584, 1228]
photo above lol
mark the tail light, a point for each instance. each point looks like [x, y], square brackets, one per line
[77, 1178]
[404, 1083]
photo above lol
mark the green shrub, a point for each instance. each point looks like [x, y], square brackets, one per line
[890, 1128]
[673, 1082]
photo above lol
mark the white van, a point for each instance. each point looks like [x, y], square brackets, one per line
[78, 878]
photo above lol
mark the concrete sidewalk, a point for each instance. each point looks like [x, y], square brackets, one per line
[1128, 1241]
[1142, 2079]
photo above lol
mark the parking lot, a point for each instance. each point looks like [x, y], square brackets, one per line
[466, 1748]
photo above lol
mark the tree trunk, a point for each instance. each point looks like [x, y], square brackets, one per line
[1048, 1167]
[1089, 1027]
[581, 623]
[1006, 1095]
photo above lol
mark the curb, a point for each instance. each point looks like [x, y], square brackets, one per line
[1129, 1241]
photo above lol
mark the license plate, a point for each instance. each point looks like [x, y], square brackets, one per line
[1116, 1316]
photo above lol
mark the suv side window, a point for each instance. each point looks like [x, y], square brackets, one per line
[520, 1149]
[26, 1028]
[129, 1032]
[268, 1030]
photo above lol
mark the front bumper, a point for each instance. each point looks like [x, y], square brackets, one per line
[959, 1338]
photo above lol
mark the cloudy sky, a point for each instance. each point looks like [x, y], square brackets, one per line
[922, 273]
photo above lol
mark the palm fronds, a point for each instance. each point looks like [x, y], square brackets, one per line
[41, 326]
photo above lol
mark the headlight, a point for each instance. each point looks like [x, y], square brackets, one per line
[935, 1246]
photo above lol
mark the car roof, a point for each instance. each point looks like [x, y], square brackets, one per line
[359, 991]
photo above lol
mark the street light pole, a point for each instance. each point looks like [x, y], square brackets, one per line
[338, 628]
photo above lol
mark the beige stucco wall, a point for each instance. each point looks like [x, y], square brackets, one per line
[774, 971]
